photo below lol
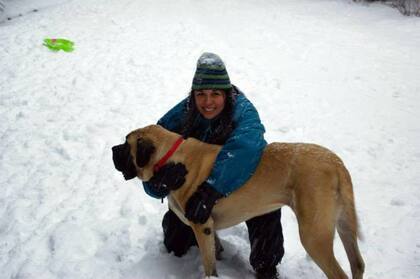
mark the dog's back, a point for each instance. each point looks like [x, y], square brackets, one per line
[285, 171]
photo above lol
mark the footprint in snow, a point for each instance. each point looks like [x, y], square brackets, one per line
[397, 202]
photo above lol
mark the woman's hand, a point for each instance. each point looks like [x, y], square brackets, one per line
[170, 177]
[200, 204]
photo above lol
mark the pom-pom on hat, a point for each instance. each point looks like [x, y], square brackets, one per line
[210, 73]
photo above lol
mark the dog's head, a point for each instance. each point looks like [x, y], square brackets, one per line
[134, 154]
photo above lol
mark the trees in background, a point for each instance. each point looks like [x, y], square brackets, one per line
[406, 7]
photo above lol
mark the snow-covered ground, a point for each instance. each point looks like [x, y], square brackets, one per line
[332, 72]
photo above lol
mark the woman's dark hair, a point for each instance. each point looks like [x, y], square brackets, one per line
[222, 125]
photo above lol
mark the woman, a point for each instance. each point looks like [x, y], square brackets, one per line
[217, 112]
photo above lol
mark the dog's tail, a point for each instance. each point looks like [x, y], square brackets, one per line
[347, 223]
[347, 218]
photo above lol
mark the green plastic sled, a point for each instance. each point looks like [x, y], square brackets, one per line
[57, 44]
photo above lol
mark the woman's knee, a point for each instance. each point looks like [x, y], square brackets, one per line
[177, 236]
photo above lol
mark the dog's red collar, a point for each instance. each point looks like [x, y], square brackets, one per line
[168, 155]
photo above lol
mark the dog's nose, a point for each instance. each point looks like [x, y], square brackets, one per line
[118, 156]
[123, 161]
[120, 150]
[117, 147]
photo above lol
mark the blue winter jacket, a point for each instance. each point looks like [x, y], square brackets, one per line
[239, 156]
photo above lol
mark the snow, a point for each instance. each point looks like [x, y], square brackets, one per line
[341, 74]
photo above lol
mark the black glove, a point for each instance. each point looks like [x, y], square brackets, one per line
[200, 204]
[169, 178]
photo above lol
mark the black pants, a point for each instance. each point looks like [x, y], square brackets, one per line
[265, 236]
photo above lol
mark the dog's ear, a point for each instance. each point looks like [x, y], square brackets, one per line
[145, 149]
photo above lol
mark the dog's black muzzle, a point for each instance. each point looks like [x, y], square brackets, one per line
[123, 161]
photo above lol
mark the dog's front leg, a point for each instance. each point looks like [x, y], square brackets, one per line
[205, 236]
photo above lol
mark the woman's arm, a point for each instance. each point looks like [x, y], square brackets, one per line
[240, 155]
[174, 118]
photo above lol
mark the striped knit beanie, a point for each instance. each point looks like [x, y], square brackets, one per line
[210, 73]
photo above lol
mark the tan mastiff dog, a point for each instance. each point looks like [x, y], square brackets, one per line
[308, 178]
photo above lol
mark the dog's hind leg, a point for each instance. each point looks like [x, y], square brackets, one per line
[316, 214]
[318, 241]
[205, 236]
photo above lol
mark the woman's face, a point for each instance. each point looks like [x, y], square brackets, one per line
[209, 102]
